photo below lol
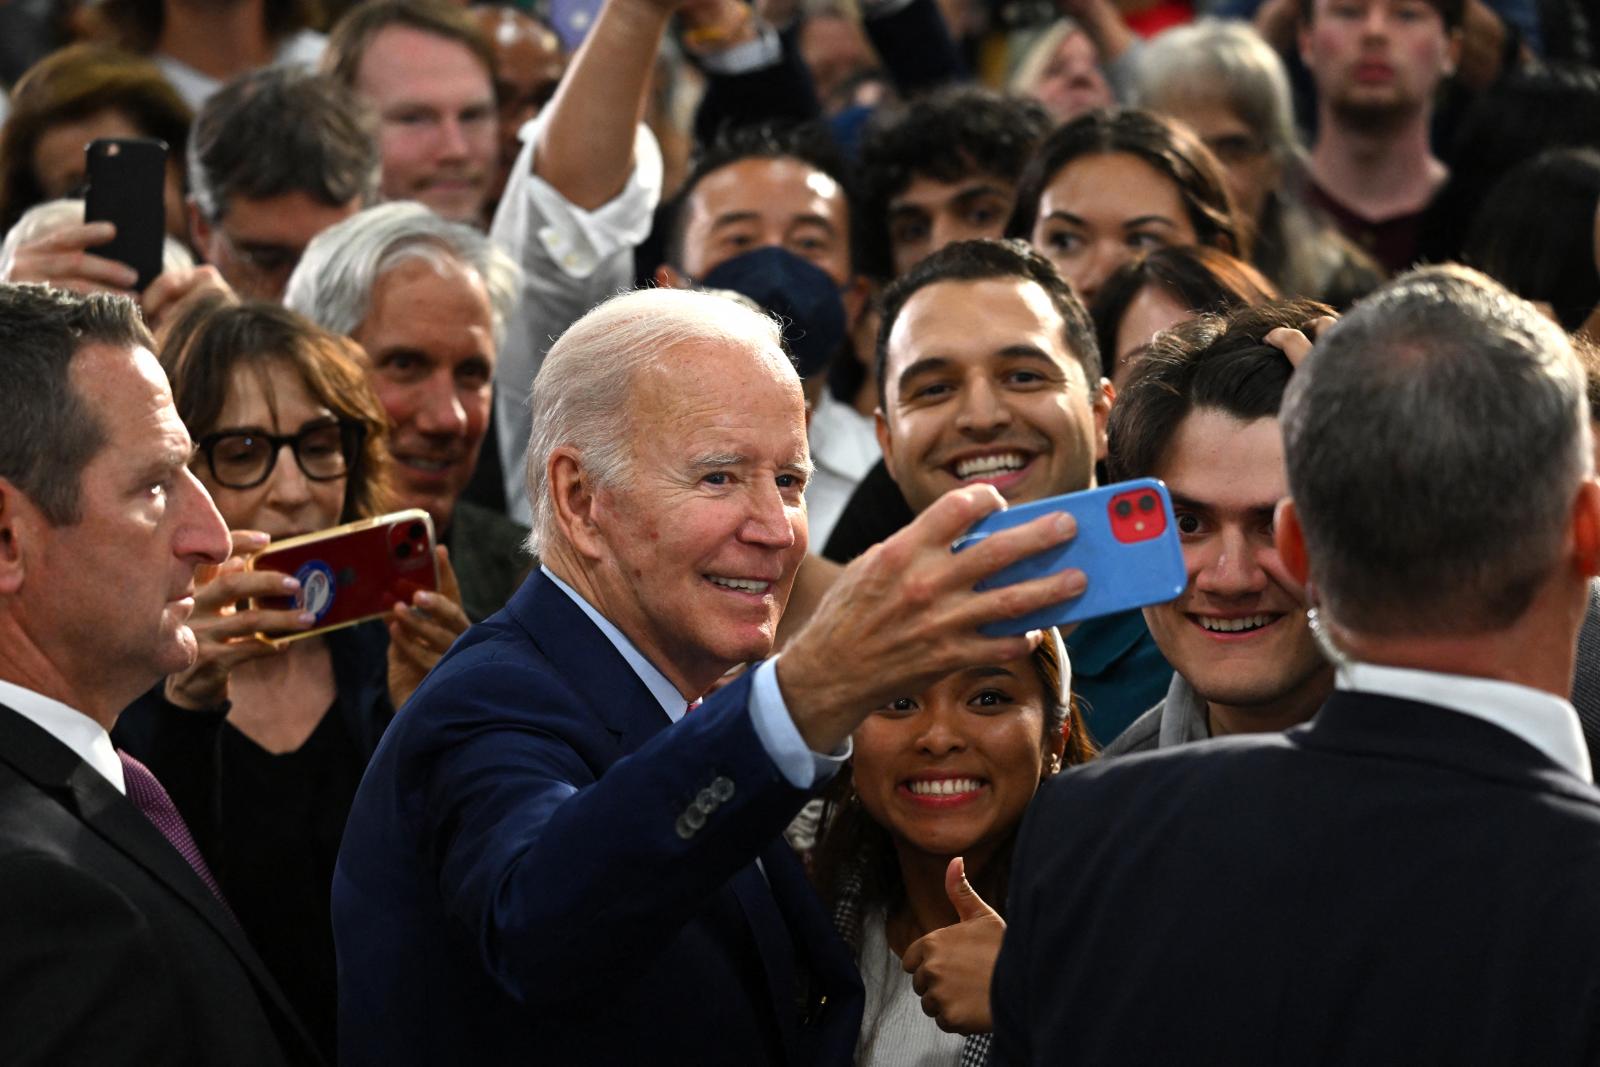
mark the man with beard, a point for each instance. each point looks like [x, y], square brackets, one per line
[1377, 65]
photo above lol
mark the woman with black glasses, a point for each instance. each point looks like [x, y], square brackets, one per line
[262, 747]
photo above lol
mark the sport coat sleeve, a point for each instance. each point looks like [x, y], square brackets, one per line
[566, 853]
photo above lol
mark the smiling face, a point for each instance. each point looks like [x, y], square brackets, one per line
[429, 339]
[438, 129]
[706, 529]
[757, 203]
[1238, 634]
[950, 771]
[272, 398]
[1377, 61]
[111, 594]
[929, 214]
[1100, 211]
[980, 387]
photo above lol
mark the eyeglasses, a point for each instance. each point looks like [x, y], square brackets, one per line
[243, 459]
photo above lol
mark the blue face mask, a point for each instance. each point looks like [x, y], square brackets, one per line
[798, 292]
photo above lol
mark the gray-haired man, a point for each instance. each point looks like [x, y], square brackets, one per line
[1409, 877]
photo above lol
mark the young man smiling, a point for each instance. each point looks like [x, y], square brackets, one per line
[989, 372]
[1200, 412]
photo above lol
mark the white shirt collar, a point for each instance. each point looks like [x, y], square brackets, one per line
[1543, 720]
[87, 738]
[666, 694]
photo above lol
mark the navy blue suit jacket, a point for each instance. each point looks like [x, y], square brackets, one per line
[537, 870]
[1393, 883]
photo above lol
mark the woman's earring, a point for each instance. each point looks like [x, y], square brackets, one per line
[1054, 766]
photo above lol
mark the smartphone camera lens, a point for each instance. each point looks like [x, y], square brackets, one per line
[1124, 509]
[403, 550]
[416, 532]
[1147, 503]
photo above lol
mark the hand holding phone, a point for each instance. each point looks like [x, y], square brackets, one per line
[127, 187]
[351, 573]
[1127, 545]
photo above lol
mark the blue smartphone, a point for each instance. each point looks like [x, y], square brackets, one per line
[1127, 544]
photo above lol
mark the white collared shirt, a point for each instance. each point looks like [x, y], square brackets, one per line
[1543, 720]
[87, 738]
[769, 715]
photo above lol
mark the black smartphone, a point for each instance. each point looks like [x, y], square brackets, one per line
[127, 183]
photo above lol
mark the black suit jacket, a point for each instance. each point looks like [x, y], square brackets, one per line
[1393, 883]
[112, 951]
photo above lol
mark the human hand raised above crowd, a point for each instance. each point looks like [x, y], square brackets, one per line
[906, 613]
[63, 259]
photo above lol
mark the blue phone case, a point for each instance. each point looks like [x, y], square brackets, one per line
[1127, 544]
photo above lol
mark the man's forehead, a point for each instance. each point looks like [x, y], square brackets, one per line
[751, 181]
[403, 61]
[924, 190]
[986, 314]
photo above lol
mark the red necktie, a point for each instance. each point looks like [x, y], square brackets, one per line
[152, 800]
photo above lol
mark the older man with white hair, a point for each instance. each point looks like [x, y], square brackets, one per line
[556, 853]
[428, 300]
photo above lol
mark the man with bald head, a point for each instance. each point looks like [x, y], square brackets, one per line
[558, 850]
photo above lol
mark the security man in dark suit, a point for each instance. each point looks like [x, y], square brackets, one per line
[115, 946]
[1409, 878]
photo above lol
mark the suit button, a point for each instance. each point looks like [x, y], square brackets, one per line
[685, 831]
[705, 803]
[721, 789]
[695, 818]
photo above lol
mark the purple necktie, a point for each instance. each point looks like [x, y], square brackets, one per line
[151, 799]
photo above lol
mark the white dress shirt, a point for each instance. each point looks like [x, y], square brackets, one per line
[87, 738]
[1543, 720]
[769, 715]
[844, 447]
[571, 260]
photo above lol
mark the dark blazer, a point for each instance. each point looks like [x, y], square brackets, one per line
[1392, 883]
[537, 870]
[112, 951]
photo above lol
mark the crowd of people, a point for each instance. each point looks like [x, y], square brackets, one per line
[700, 331]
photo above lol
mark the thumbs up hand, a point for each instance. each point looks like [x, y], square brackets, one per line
[951, 968]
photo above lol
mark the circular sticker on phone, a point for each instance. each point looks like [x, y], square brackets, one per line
[316, 588]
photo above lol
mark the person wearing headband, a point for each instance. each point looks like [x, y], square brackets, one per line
[916, 845]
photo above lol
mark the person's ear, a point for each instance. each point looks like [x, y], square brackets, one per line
[857, 297]
[199, 229]
[1586, 529]
[1290, 540]
[668, 277]
[1452, 55]
[572, 494]
[1100, 405]
[20, 522]
[1056, 744]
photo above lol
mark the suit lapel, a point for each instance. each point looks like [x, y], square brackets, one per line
[596, 671]
[587, 662]
[84, 792]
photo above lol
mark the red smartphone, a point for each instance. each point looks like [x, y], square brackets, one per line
[127, 183]
[351, 573]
